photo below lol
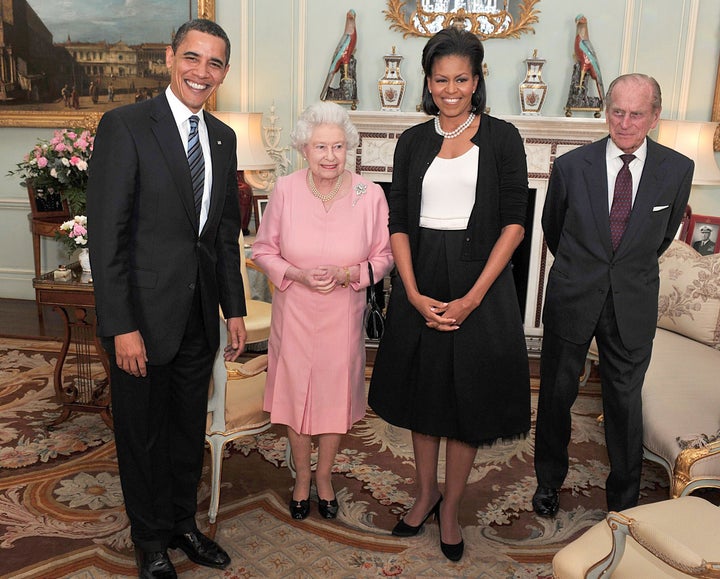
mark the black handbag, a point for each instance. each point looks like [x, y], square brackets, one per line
[373, 320]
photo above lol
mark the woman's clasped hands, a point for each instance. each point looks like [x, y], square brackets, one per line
[323, 278]
[441, 316]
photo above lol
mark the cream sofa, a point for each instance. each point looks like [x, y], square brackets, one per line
[681, 393]
[669, 539]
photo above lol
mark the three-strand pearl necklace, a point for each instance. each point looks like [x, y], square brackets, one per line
[457, 131]
[324, 197]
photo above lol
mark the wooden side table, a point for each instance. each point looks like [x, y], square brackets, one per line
[81, 390]
[42, 227]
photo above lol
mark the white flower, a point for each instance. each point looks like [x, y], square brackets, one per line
[54, 173]
[82, 165]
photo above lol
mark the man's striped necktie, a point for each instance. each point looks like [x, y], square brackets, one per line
[196, 162]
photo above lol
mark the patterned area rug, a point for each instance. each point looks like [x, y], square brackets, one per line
[61, 512]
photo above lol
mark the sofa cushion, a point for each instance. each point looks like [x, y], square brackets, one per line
[689, 301]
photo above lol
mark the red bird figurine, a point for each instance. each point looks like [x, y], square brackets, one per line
[585, 55]
[343, 52]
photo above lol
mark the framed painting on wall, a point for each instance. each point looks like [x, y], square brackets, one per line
[703, 233]
[87, 58]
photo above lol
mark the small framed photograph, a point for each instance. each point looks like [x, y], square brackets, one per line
[703, 234]
[260, 202]
[45, 204]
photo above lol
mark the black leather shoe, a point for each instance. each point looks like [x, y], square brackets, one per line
[154, 565]
[546, 502]
[402, 529]
[201, 549]
[328, 509]
[300, 509]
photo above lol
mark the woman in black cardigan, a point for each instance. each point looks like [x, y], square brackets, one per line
[453, 360]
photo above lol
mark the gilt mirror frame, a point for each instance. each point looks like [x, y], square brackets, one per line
[505, 23]
[53, 119]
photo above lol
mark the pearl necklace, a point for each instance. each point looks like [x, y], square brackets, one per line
[328, 196]
[456, 132]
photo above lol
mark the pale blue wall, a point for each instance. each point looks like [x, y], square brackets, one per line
[282, 48]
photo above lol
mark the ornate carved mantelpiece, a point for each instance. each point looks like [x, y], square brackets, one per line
[545, 138]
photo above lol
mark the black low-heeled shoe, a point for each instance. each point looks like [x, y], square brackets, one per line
[328, 509]
[300, 509]
[402, 529]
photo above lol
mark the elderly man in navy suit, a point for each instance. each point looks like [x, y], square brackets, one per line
[612, 208]
[163, 209]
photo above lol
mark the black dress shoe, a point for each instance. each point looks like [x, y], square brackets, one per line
[300, 509]
[546, 502]
[328, 509]
[402, 529]
[154, 565]
[201, 549]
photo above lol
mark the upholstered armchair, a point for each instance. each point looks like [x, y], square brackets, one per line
[235, 402]
[235, 409]
[671, 538]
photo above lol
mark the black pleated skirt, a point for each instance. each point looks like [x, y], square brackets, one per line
[471, 384]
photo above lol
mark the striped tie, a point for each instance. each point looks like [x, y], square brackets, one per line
[196, 162]
[622, 201]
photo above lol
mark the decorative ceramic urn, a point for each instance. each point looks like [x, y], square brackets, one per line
[533, 89]
[391, 86]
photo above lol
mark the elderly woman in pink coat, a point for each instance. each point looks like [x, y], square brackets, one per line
[320, 229]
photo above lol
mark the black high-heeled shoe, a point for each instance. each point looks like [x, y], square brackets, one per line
[300, 509]
[453, 552]
[402, 529]
[328, 509]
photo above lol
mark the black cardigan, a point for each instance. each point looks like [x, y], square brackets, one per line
[501, 193]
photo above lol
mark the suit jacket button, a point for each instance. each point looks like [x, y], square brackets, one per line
[191, 286]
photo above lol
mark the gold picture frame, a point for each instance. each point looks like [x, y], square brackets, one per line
[53, 119]
[716, 109]
[516, 18]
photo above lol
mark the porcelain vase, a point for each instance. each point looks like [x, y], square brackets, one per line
[391, 86]
[84, 259]
[533, 89]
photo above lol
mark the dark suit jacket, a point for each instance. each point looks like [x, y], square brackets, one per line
[576, 224]
[147, 257]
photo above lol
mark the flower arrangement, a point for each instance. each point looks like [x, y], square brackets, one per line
[73, 234]
[60, 165]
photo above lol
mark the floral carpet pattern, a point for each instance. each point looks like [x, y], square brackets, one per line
[61, 510]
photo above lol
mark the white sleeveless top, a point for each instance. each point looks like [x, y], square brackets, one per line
[448, 191]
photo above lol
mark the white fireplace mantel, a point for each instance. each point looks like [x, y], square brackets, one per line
[545, 138]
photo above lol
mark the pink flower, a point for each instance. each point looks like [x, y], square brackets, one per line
[60, 147]
[75, 160]
[42, 162]
[78, 230]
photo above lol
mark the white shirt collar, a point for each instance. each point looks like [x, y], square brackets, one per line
[180, 112]
[614, 152]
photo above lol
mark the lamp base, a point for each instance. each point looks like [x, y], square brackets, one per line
[245, 196]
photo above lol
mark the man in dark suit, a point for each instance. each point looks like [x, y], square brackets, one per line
[162, 206]
[612, 208]
[704, 246]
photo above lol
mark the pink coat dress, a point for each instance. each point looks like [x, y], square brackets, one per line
[316, 351]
